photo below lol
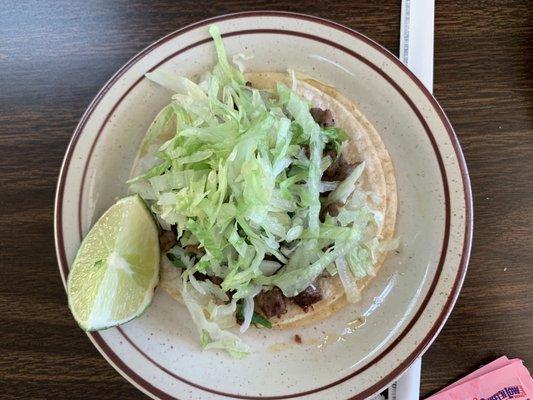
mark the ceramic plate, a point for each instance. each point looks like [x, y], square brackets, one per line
[405, 306]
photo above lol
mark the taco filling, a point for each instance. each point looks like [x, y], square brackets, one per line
[275, 199]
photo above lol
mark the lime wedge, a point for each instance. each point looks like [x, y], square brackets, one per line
[116, 269]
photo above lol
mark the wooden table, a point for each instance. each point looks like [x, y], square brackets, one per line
[54, 58]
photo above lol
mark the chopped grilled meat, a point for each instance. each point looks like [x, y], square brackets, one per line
[272, 303]
[202, 277]
[192, 248]
[248, 83]
[167, 240]
[328, 120]
[333, 208]
[308, 297]
[339, 170]
[216, 280]
[317, 114]
[329, 151]
[324, 118]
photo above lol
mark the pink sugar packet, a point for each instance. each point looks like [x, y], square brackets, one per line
[498, 363]
[500, 380]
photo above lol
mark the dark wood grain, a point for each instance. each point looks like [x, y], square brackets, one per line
[54, 56]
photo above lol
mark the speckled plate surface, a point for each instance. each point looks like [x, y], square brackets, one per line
[362, 348]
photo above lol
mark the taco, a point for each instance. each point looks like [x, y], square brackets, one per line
[275, 195]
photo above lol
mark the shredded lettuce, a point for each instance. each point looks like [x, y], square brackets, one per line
[346, 187]
[348, 280]
[238, 173]
[212, 335]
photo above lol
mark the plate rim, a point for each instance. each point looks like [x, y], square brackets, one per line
[147, 387]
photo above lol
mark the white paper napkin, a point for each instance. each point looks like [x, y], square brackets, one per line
[416, 38]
